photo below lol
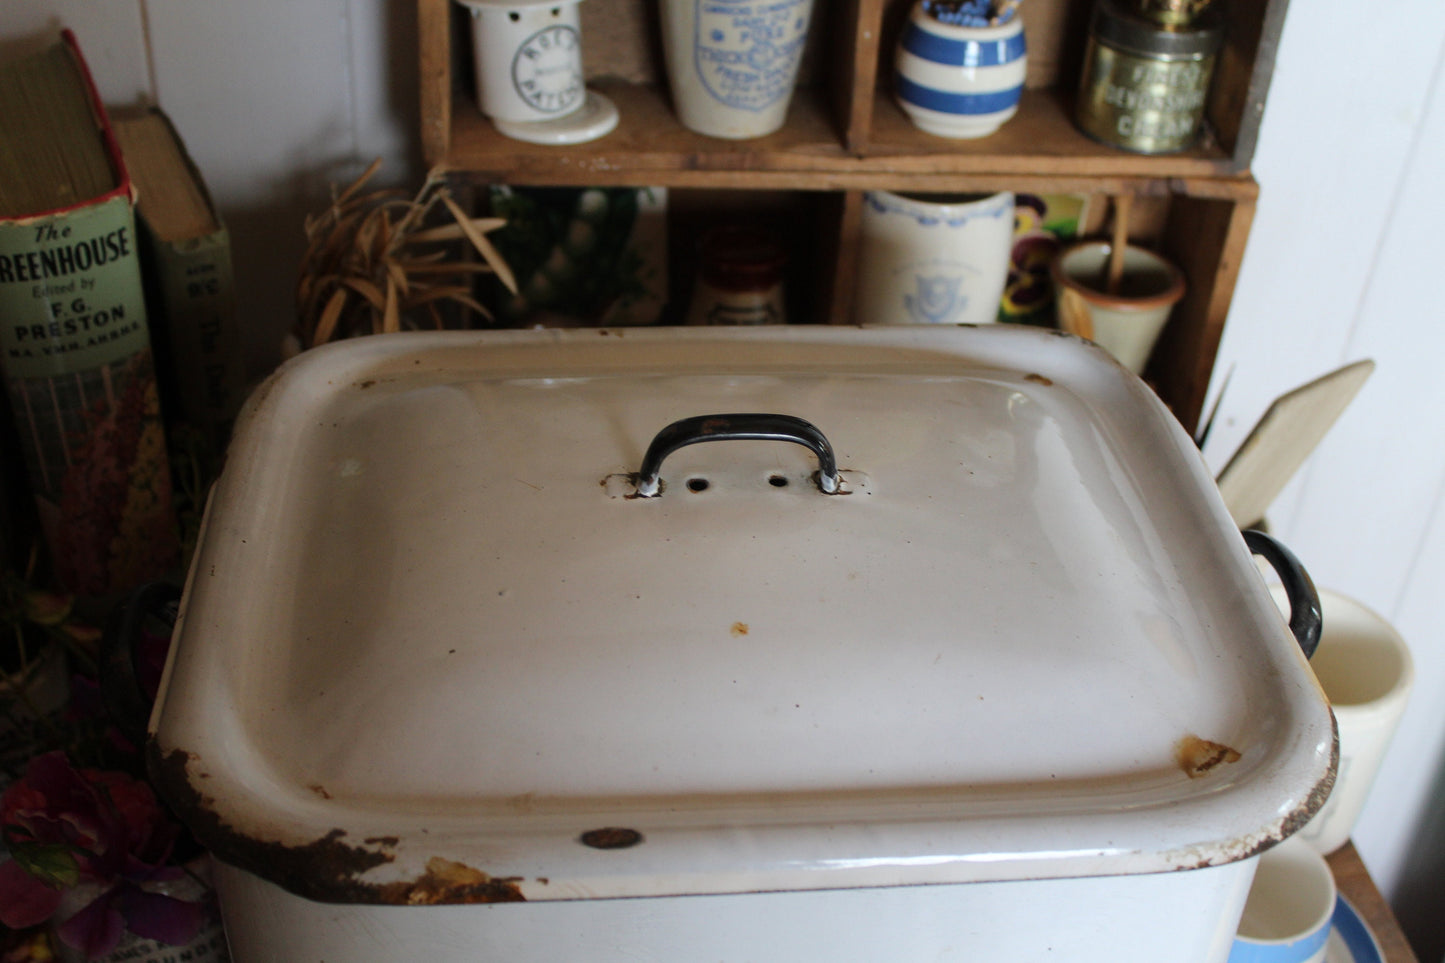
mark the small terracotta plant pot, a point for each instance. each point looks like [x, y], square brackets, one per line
[1127, 323]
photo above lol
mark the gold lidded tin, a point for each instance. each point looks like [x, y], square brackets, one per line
[1173, 13]
[1145, 84]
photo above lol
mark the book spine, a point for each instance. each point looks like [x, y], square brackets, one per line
[75, 349]
[193, 310]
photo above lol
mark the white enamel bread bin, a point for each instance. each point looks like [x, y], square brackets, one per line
[955, 655]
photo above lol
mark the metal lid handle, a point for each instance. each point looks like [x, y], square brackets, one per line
[1305, 619]
[736, 427]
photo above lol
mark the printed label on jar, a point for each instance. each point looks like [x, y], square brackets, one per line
[1143, 104]
[547, 70]
[748, 50]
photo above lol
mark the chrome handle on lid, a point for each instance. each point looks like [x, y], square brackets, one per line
[736, 427]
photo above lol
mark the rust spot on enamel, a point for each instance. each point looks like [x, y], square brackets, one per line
[448, 882]
[1039, 379]
[328, 869]
[739, 628]
[1198, 756]
[611, 838]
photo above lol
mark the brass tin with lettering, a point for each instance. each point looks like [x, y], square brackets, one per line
[1144, 86]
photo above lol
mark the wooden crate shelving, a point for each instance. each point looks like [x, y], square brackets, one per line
[845, 135]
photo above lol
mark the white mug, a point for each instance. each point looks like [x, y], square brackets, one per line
[1290, 908]
[1366, 670]
[933, 258]
[732, 64]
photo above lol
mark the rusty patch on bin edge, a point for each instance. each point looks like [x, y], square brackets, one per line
[448, 882]
[327, 869]
[1244, 848]
[1198, 756]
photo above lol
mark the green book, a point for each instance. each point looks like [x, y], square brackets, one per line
[74, 339]
[186, 263]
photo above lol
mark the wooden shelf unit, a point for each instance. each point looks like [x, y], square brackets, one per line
[845, 135]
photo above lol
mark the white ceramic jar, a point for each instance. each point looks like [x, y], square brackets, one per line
[959, 81]
[933, 258]
[732, 64]
[528, 58]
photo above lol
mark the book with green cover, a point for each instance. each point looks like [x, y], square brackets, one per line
[74, 340]
[186, 263]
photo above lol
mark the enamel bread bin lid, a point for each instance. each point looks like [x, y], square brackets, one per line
[435, 647]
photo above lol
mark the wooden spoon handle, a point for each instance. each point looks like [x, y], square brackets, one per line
[1120, 242]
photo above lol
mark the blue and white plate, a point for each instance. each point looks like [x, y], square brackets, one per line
[1350, 939]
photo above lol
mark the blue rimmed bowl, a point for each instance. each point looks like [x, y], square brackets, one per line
[957, 81]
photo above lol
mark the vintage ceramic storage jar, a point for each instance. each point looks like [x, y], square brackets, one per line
[732, 64]
[528, 71]
[959, 81]
[525, 645]
[739, 278]
[932, 258]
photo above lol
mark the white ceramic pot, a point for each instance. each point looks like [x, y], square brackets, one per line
[933, 258]
[958, 81]
[959, 657]
[732, 64]
[528, 58]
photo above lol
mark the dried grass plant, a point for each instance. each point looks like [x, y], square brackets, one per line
[373, 265]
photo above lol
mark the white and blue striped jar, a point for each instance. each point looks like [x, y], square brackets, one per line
[958, 81]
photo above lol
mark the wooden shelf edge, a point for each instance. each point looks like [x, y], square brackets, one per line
[650, 147]
[1355, 885]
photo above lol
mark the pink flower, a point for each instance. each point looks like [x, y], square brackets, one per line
[67, 827]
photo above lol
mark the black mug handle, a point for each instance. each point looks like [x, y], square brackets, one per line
[1306, 620]
[122, 690]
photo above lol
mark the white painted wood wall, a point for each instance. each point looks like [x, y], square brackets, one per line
[278, 98]
[1343, 264]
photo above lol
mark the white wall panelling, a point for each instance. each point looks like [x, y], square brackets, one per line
[1343, 264]
[110, 34]
[266, 95]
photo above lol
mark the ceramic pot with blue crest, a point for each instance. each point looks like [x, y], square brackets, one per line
[960, 80]
[933, 258]
[732, 64]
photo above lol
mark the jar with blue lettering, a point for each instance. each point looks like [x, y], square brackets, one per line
[960, 66]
